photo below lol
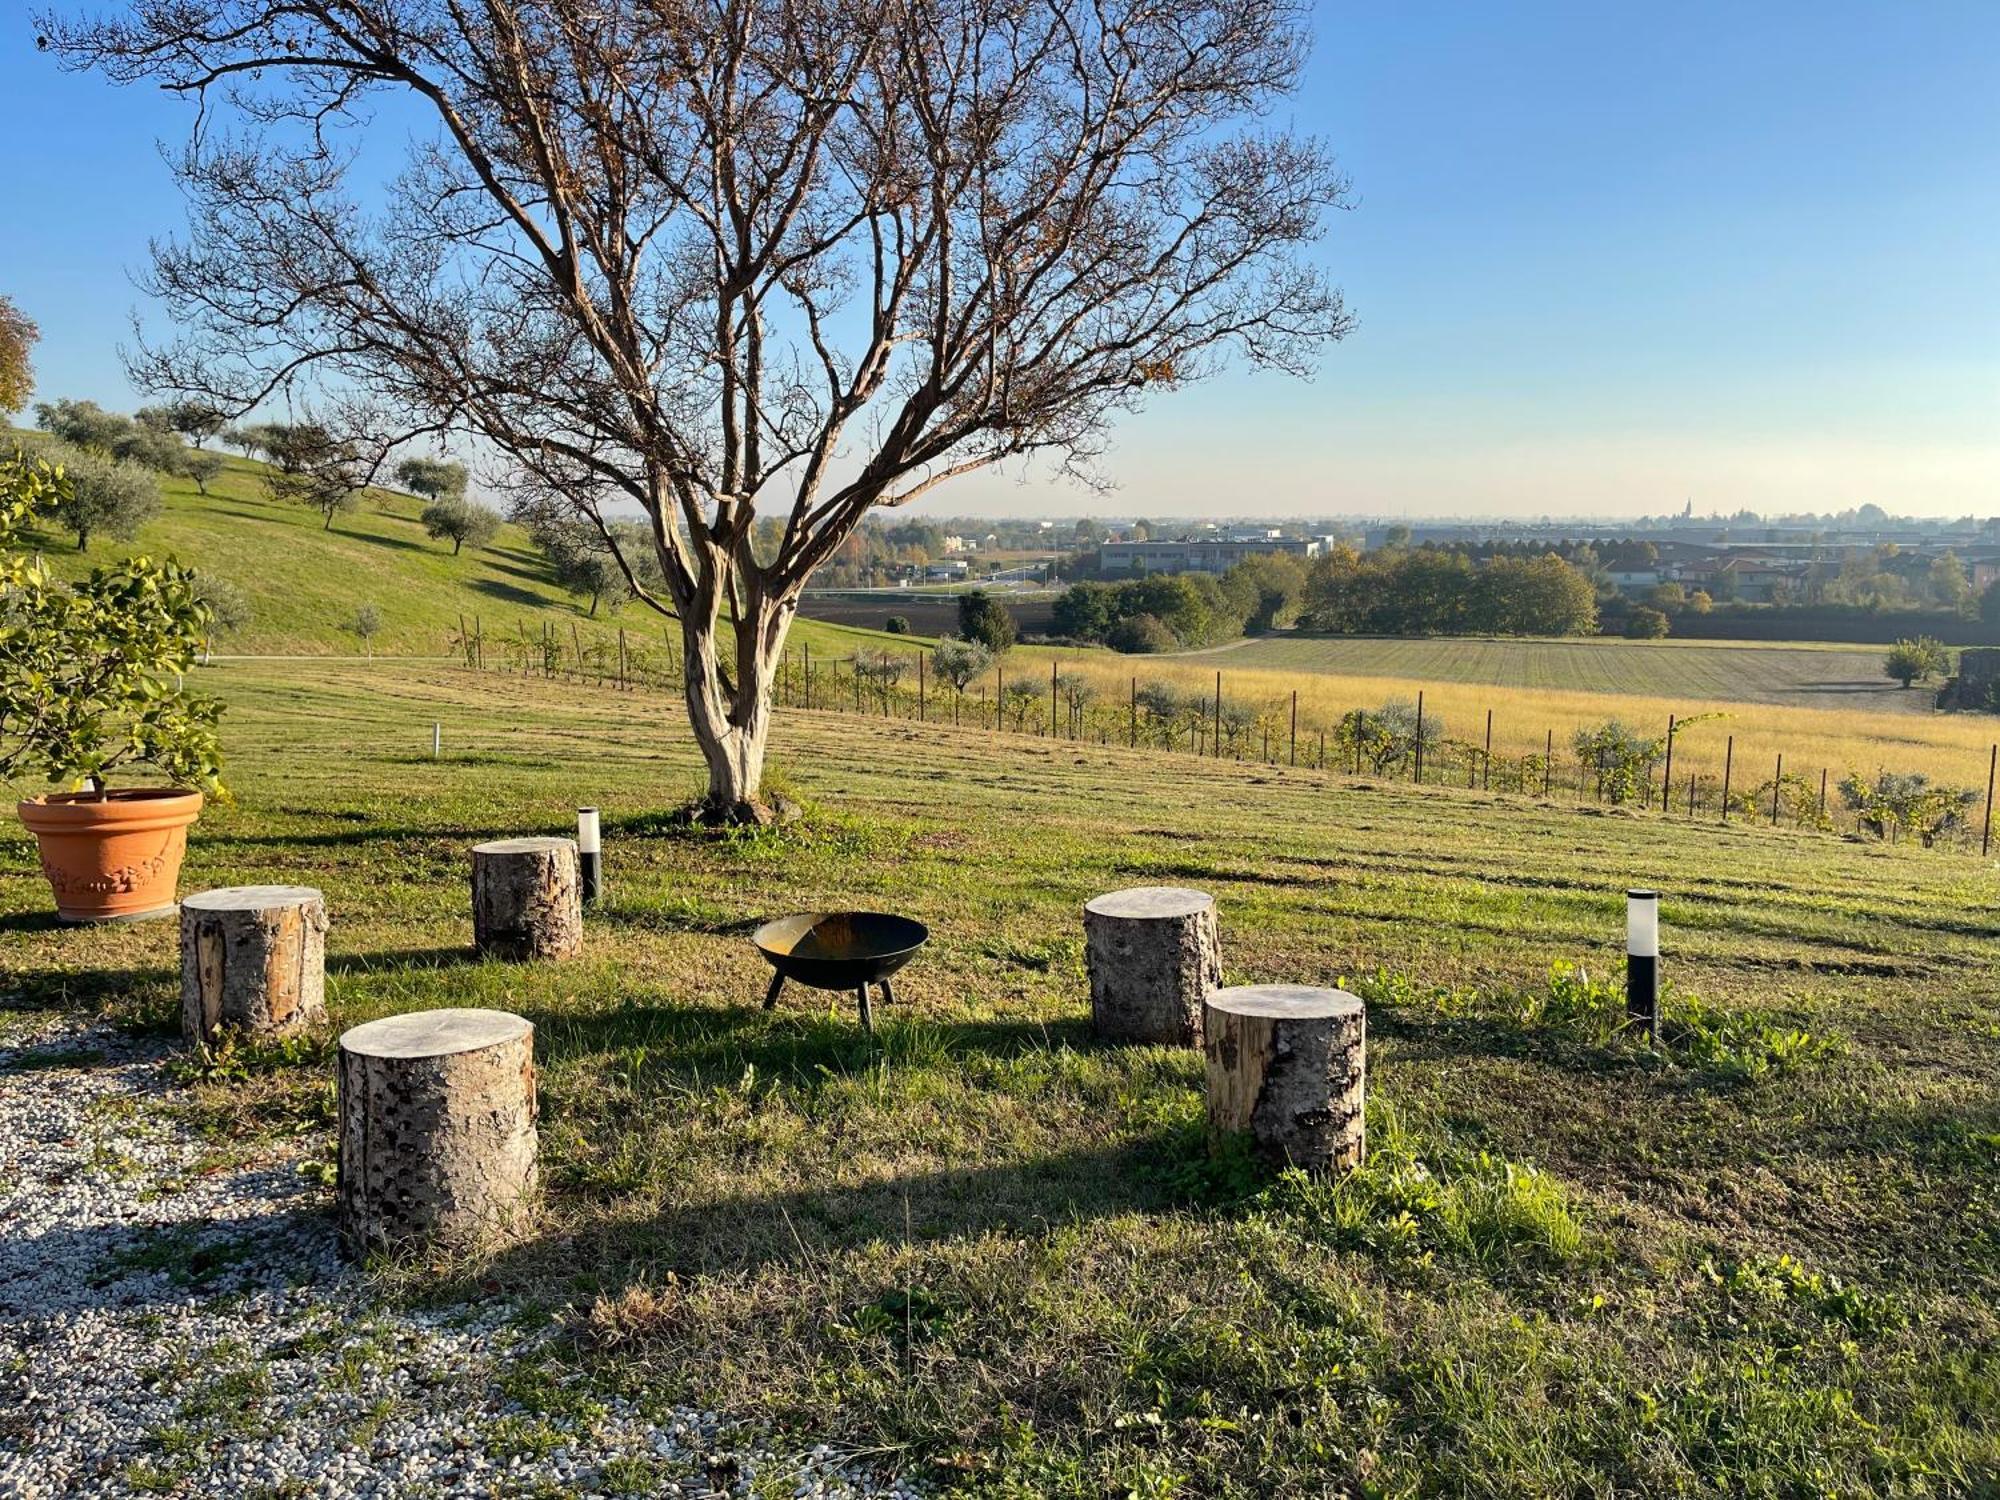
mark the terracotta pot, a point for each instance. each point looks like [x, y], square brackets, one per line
[116, 857]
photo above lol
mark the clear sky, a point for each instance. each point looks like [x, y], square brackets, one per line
[1607, 257]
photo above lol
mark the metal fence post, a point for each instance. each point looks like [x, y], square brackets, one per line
[1728, 765]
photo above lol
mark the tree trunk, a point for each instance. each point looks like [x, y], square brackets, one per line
[1289, 1064]
[252, 958]
[731, 713]
[456, 543]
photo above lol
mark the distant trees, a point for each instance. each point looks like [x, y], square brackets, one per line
[1909, 660]
[105, 495]
[580, 558]
[433, 478]
[201, 466]
[984, 619]
[1428, 591]
[197, 421]
[316, 467]
[460, 520]
[1166, 611]
[1646, 624]
[17, 341]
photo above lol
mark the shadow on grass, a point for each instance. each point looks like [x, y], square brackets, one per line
[812, 1035]
[800, 1227]
[389, 960]
[508, 593]
[386, 834]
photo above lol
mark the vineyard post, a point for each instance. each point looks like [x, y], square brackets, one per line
[1822, 795]
[1986, 834]
[1548, 765]
[1777, 785]
[622, 663]
[478, 644]
[857, 682]
[1667, 780]
[1218, 716]
[809, 672]
[1135, 713]
[1322, 747]
[1690, 794]
[1052, 698]
[576, 639]
[923, 709]
[1357, 742]
[999, 692]
[1728, 765]
[1486, 765]
[464, 640]
[1420, 738]
[1295, 726]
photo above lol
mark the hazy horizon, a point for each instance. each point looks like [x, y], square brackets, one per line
[1604, 263]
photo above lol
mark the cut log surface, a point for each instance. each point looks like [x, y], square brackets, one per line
[527, 898]
[437, 1130]
[1153, 954]
[1288, 1063]
[253, 958]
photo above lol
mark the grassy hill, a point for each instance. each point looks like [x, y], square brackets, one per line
[305, 582]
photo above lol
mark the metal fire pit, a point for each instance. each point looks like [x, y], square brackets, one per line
[839, 950]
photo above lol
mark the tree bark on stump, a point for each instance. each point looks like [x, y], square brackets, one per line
[1153, 955]
[253, 957]
[527, 898]
[1288, 1063]
[437, 1131]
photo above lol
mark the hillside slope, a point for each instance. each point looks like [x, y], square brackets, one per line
[305, 583]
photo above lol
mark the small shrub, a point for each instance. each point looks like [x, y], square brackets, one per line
[1894, 803]
[1646, 624]
[1141, 635]
[897, 624]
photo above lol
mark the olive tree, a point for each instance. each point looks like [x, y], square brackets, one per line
[103, 495]
[433, 478]
[959, 663]
[719, 259]
[454, 518]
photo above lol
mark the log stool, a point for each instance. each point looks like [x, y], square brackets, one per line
[253, 957]
[437, 1130]
[1288, 1063]
[527, 901]
[1153, 955]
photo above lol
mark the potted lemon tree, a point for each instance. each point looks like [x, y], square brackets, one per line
[92, 683]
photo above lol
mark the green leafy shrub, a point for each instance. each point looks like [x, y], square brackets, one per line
[91, 675]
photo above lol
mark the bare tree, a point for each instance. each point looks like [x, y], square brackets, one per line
[705, 256]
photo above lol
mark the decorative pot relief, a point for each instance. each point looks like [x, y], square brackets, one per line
[125, 878]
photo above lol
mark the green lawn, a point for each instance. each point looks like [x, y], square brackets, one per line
[1764, 1261]
[1800, 676]
[304, 582]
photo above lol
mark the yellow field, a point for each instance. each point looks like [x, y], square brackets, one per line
[1951, 748]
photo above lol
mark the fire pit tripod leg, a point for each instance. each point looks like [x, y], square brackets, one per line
[867, 1011]
[771, 995]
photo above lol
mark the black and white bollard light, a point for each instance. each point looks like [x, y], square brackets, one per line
[589, 858]
[1642, 961]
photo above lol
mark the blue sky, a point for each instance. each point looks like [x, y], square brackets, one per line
[1606, 258]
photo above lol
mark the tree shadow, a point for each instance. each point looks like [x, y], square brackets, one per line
[385, 960]
[803, 1226]
[509, 593]
[81, 989]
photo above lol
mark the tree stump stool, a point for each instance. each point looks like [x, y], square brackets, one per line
[437, 1130]
[1289, 1064]
[527, 899]
[253, 957]
[1153, 955]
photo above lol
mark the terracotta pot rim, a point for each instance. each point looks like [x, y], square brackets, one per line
[127, 809]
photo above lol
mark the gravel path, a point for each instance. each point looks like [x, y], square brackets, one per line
[169, 1326]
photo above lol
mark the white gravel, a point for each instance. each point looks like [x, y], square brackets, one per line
[169, 1327]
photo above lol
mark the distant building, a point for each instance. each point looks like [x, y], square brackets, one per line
[947, 572]
[1208, 555]
[960, 544]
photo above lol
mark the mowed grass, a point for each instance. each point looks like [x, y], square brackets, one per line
[305, 582]
[1795, 675]
[998, 1255]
